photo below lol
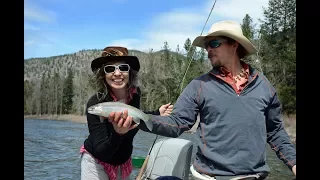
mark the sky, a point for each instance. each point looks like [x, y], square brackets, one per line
[57, 27]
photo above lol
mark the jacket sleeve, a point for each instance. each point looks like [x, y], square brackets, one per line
[183, 116]
[277, 136]
[104, 139]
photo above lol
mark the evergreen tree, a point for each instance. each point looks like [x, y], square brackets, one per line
[248, 27]
[68, 93]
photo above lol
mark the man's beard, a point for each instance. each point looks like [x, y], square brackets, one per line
[215, 64]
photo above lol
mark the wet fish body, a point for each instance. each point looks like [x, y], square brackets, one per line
[105, 108]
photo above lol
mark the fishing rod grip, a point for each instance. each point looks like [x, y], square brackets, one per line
[144, 165]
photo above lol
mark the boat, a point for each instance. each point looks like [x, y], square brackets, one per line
[169, 157]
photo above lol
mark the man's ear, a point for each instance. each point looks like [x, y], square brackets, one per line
[235, 45]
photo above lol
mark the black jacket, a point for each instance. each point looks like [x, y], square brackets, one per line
[103, 142]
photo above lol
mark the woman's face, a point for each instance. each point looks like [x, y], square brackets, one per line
[117, 75]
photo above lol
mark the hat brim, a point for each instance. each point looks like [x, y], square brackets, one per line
[248, 46]
[133, 61]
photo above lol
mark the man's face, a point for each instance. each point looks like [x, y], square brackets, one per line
[219, 51]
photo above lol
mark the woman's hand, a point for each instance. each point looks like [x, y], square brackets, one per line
[166, 109]
[122, 123]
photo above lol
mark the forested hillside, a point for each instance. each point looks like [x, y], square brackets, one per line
[63, 84]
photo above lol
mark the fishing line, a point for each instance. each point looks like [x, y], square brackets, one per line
[148, 176]
[181, 83]
[185, 73]
[143, 171]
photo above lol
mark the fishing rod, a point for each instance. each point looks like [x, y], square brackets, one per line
[144, 165]
[185, 73]
[181, 85]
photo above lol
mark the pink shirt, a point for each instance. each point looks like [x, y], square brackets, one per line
[111, 171]
[126, 168]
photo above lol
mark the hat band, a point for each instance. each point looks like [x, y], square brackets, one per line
[112, 52]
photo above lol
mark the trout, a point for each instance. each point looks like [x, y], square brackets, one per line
[105, 108]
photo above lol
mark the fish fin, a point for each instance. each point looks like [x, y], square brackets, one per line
[101, 119]
[136, 120]
[121, 101]
[149, 125]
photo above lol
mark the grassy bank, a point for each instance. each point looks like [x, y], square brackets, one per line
[290, 126]
[289, 121]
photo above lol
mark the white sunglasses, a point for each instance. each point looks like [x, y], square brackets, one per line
[112, 68]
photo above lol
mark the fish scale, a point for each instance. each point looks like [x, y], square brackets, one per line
[105, 108]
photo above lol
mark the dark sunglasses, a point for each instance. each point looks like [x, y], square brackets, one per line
[214, 43]
[112, 68]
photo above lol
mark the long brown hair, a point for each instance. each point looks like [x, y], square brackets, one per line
[103, 88]
[241, 51]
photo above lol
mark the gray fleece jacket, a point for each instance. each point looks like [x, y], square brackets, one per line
[234, 130]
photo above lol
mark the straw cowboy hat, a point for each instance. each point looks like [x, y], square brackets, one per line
[229, 29]
[115, 53]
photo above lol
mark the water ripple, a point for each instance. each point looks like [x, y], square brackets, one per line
[51, 150]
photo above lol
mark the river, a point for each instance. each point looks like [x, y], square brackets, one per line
[51, 150]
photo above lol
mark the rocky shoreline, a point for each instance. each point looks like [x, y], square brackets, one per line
[290, 122]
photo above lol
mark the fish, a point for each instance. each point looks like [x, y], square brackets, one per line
[105, 108]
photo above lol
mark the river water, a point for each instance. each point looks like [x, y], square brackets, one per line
[51, 150]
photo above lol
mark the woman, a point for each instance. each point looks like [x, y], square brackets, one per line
[106, 153]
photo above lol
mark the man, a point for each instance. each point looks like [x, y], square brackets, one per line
[239, 112]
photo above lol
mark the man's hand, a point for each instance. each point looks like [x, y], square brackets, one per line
[166, 109]
[122, 123]
[294, 170]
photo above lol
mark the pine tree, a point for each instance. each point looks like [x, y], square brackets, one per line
[68, 93]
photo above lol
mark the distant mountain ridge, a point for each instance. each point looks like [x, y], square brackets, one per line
[34, 68]
[62, 84]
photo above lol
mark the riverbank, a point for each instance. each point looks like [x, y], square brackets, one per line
[289, 121]
[64, 117]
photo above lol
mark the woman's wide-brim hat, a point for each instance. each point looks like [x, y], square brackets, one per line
[114, 54]
[229, 29]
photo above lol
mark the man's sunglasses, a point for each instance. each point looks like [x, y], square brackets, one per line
[214, 43]
[112, 68]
